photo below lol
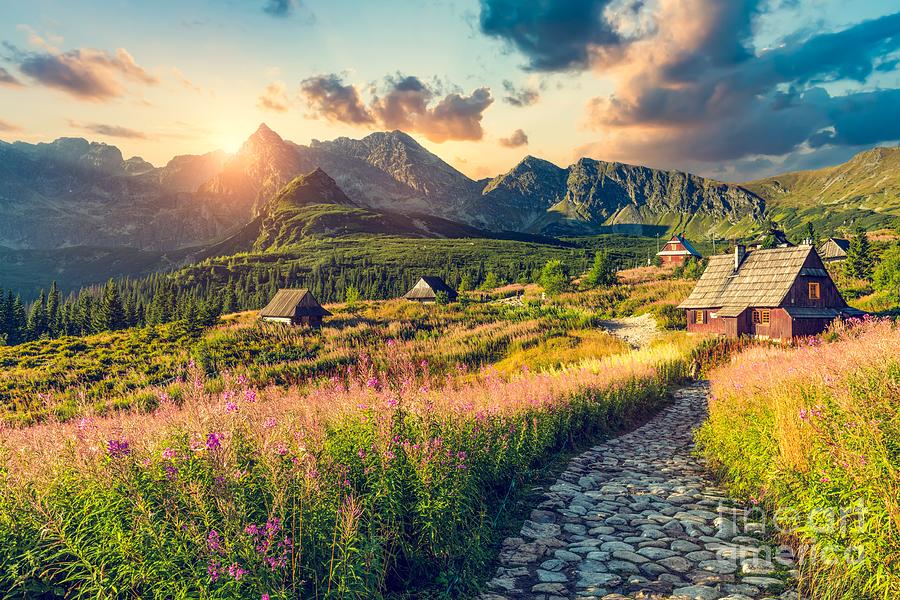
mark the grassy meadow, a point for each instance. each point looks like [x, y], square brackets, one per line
[371, 458]
[813, 433]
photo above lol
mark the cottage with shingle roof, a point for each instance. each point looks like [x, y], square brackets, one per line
[778, 293]
[427, 289]
[677, 251]
[834, 249]
[294, 307]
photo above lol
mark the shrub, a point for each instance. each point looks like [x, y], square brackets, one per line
[670, 317]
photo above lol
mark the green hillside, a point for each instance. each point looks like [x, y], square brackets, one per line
[864, 191]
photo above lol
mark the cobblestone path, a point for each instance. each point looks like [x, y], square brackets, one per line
[639, 517]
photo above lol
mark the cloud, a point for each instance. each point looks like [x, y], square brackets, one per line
[690, 88]
[328, 97]
[401, 102]
[279, 8]
[6, 78]
[274, 98]
[183, 80]
[515, 140]
[553, 34]
[110, 130]
[9, 127]
[85, 73]
[406, 104]
[525, 96]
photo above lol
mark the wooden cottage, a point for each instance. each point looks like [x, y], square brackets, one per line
[834, 249]
[778, 293]
[677, 251]
[294, 307]
[427, 288]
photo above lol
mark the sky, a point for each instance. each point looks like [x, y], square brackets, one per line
[732, 89]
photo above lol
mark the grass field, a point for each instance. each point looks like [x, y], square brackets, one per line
[371, 458]
[813, 433]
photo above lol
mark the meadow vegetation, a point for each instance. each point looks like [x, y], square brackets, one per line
[385, 479]
[813, 433]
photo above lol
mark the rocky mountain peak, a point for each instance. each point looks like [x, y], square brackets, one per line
[316, 187]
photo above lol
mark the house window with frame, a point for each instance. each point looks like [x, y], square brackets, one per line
[815, 290]
[698, 317]
[761, 316]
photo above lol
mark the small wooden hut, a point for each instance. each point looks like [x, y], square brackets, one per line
[677, 251]
[294, 307]
[778, 293]
[834, 249]
[427, 289]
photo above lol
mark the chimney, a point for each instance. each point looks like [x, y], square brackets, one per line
[740, 251]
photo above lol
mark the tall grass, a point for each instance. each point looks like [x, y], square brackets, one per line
[814, 432]
[380, 481]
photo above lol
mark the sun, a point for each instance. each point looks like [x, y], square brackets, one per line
[231, 144]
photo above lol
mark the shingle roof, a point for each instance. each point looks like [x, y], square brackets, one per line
[834, 248]
[289, 303]
[427, 287]
[763, 279]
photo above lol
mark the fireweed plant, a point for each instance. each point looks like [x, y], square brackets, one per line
[813, 433]
[384, 480]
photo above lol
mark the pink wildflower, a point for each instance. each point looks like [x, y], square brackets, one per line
[169, 454]
[236, 571]
[270, 423]
[250, 396]
[231, 407]
[213, 441]
[118, 448]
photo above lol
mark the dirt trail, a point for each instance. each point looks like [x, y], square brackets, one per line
[637, 331]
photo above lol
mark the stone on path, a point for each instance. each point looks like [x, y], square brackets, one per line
[639, 517]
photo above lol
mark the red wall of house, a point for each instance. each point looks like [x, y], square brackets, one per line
[709, 324]
[673, 260]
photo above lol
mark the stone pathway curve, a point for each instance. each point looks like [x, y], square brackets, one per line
[639, 517]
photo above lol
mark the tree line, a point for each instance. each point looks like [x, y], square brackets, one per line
[198, 294]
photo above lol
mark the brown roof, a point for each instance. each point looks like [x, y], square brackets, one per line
[291, 303]
[763, 279]
[834, 248]
[428, 287]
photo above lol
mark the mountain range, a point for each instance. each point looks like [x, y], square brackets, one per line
[72, 192]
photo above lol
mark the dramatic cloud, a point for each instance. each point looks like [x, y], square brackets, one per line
[402, 102]
[9, 127]
[406, 105]
[519, 96]
[517, 139]
[6, 78]
[552, 34]
[85, 73]
[274, 98]
[328, 97]
[691, 89]
[110, 130]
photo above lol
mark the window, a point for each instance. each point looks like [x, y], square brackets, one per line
[698, 317]
[814, 291]
[761, 316]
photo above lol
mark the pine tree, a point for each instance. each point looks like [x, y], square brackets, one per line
[602, 272]
[859, 256]
[811, 234]
[37, 317]
[553, 277]
[111, 313]
[53, 302]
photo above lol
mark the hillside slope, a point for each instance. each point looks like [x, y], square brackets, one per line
[862, 191]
